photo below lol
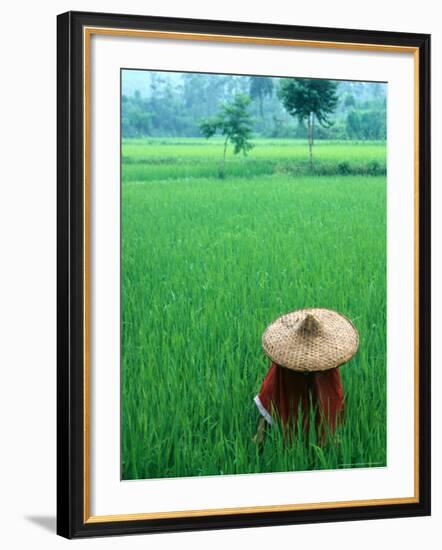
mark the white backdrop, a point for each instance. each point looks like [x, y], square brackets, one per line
[27, 292]
[108, 494]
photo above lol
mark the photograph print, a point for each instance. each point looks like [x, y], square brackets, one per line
[253, 274]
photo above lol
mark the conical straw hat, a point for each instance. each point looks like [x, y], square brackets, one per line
[309, 340]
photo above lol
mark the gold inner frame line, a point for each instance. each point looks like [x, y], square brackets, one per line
[87, 33]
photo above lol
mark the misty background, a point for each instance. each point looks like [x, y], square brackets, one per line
[172, 104]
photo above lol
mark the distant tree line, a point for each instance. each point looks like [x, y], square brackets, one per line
[161, 104]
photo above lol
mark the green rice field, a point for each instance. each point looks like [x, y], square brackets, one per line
[208, 263]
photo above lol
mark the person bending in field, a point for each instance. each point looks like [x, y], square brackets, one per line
[306, 348]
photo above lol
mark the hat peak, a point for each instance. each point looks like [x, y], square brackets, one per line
[310, 325]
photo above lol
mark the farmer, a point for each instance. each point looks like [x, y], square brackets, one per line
[306, 348]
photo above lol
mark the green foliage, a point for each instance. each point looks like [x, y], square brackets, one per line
[349, 100]
[156, 159]
[234, 123]
[308, 100]
[206, 265]
[261, 87]
[136, 120]
[303, 97]
[367, 124]
[344, 168]
[159, 104]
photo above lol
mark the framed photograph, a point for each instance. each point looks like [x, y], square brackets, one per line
[243, 274]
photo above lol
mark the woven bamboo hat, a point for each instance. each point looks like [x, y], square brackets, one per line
[310, 340]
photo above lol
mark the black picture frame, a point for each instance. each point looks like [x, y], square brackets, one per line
[71, 498]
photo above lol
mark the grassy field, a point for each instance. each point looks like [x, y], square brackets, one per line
[145, 160]
[208, 263]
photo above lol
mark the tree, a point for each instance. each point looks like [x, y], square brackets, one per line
[349, 100]
[233, 121]
[353, 125]
[260, 87]
[309, 99]
[366, 124]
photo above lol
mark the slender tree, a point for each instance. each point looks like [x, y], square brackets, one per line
[260, 87]
[233, 121]
[309, 100]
